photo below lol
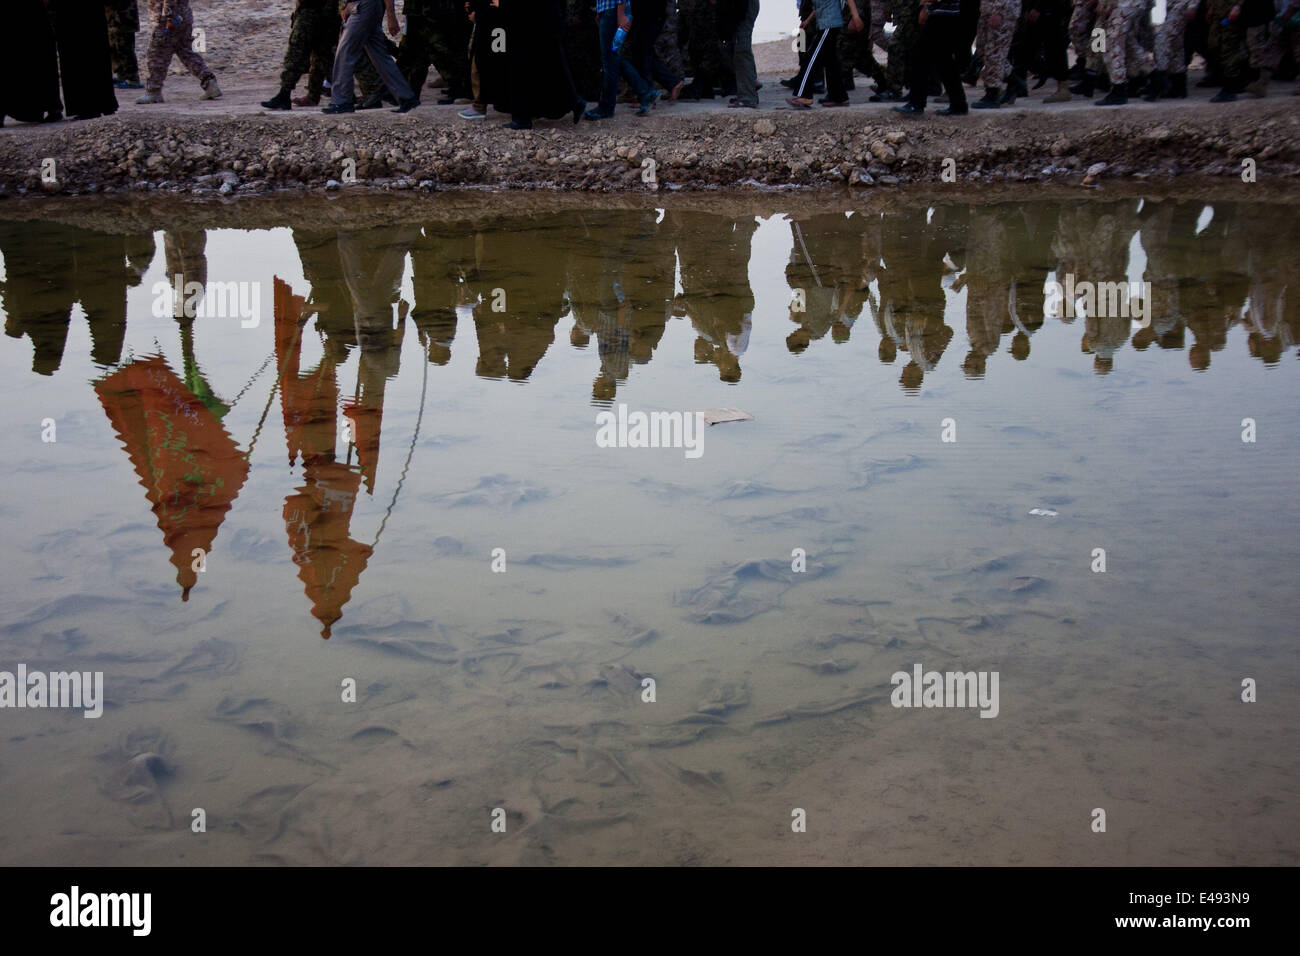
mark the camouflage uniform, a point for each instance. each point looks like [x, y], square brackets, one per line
[1082, 19]
[1170, 36]
[1228, 43]
[313, 35]
[1264, 44]
[172, 39]
[994, 45]
[666, 48]
[123, 25]
[857, 52]
[903, 42]
[1123, 54]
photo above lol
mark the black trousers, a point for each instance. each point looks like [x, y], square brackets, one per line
[939, 48]
[825, 56]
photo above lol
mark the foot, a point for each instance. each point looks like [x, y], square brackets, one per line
[1117, 96]
[594, 115]
[907, 109]
[798, 103]
[373, 102]
[128, 84]
[211, 91]
[677, 91]
[469, 113]
[991, 100]
[742, 106]
[305, 100]
[647, 103]
[1062, 94]
[516, 125]
[280, 101]
[407, 105]
[447, 99]
[150, 98]
[830, 102]
[335, 109]
[953, 111]
[1224, 95]
[886, 96]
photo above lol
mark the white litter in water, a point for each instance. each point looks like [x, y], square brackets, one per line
[716, 416]
[1043, 512]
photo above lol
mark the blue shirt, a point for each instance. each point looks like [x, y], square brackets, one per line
[607, 6]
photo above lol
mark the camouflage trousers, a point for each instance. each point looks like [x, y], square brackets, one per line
[666, 47]
[698, 32]
[1170, 36]
[437, 34]
[1123, 53]
[902, 45]
[174, 42]
[994, 43]
[857, 52]
[313, 35]
[123, 25]
[1082, 19]
[1264, 44]
[1228, 43]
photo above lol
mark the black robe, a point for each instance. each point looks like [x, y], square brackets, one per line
[29, 67]
[492, 66]
[538, 82]
[85, 61]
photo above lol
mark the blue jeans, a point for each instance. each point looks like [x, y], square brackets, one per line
[613, 65]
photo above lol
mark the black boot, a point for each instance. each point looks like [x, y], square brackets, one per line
[1086, 85]
[1117, 96]
[991, 101]
[1159, 86]
[1226, 95]
[1178, 87]
[278, 102]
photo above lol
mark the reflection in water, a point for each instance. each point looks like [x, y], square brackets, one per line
[523, 690]
[620, 276]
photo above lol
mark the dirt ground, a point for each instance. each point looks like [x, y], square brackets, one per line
[232, 146]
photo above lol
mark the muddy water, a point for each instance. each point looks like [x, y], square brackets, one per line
[407, 399]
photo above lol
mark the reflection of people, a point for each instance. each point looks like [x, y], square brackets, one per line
[716, 294]
[29, 65]
[827, 274]
[49, 268]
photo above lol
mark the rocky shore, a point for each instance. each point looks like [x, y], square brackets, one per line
[865, 147]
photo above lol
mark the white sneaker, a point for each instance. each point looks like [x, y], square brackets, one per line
[211, 91]
[150, 98]
[469, 113]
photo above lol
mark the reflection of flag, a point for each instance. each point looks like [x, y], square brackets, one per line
[318, 516]
[317, 520]
[190, 467]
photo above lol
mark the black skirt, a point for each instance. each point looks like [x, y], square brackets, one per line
[29, 66]
[85, 62]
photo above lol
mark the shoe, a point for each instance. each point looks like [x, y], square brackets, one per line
[150, 98]
[594, 115]
[1225, 95]
[1086, 86]
[514, 125]
[305, 100]
[407, 105]
[791, 83]
[448, 99]
[1009, 97]
[374, 101]
[829, 102]
[280, 101]
[1017, 86]
[334, 109]
[128, 84]
[907, 109]
[1157, 87]
[953, 111]
[1259, 89]
[469, 113]
[1062, 94]
[1117, 96]
[733, 106]
[798, 103]
[1042, 81]
[211, 91]
[886, 96]
[991, 100]
[647, 103]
